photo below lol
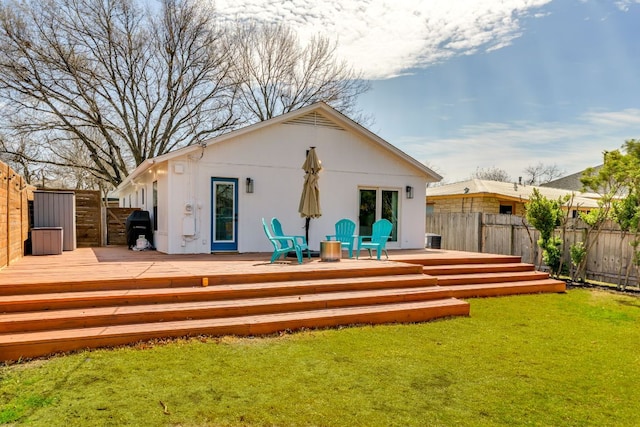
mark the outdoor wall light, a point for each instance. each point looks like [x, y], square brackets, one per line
[409, 190]
[249, 185]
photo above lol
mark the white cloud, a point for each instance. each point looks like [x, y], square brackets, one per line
[514, 146]
[386, 38]
[624, 5]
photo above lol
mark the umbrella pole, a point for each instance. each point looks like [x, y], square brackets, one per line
[307, 220]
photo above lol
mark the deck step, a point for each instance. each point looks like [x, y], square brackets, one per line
[359, 270]
[122, 315]
[34, 344]
[463, 258]
[476, 268]
[481, 290]
[478, 278]
[70, 300]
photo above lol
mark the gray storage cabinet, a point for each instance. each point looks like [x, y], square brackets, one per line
[56, 209]
[46, 241]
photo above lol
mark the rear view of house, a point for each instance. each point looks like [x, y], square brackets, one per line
[211, 198]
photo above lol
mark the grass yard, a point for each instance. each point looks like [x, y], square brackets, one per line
[540, 360]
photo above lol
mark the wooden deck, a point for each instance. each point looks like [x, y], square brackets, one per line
[94, 297]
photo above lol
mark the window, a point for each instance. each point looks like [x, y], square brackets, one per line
[431, 208]
[506, 209]
[142, 196]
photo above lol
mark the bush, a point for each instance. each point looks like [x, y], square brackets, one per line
[552, 254]
[578, 254]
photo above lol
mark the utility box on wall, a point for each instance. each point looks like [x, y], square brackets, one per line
[56, 209]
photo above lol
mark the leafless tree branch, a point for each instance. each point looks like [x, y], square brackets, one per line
[124, 83]
[276, 74]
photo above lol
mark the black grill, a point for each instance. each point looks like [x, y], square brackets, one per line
[138, 224]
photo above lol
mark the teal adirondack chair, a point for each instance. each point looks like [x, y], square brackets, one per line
[381, 232]
[299, 242]
[282, 245]
[345, 234]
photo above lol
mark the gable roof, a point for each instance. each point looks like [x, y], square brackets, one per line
[319, 113]
[570, 182]
[508, 191]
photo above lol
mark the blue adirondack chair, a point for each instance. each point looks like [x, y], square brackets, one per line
[345, 234]
[381, 232]
[282, 245]
[298, 241]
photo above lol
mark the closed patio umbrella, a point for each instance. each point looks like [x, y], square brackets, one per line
[310, 199]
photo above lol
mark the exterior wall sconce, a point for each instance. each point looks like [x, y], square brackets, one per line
[409, 192]
[249, 185]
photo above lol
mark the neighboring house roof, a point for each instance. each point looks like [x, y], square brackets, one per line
[570, 182]
[508, 191]
[320, 113]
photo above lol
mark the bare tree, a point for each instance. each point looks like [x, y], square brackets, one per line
[437, 170]
[15, 152]
[277, 75]
[124, 83]
[19, 151]
[492, 174]
[541, 173]
[80, 175]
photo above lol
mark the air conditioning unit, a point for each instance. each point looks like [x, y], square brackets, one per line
[432, 241]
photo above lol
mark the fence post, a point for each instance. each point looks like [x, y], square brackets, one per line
[4, 174]
[480, 228]
[9, 178]
[512, 233]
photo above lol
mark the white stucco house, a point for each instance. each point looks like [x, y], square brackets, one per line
[210, 198]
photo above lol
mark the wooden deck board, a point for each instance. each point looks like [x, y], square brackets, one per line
[495, 277]
[476, 268]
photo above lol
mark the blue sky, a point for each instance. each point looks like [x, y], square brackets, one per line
[467, 84]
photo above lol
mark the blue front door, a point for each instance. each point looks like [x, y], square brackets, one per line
[224, 222]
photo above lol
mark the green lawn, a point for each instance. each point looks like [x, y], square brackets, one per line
[548, 360]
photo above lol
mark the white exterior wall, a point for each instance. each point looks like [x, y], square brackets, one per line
[145, 183]
[273, 156]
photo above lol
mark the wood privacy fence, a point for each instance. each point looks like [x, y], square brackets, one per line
[608, 260]
[89, 218]
[95, 224]
[116, 221]
[14, 215]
